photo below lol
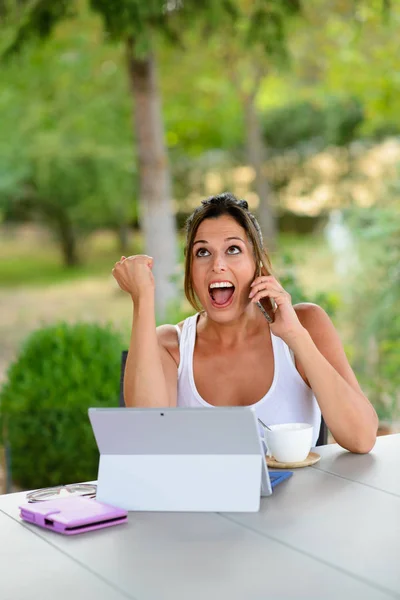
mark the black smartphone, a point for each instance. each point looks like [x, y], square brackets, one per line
[267, 307]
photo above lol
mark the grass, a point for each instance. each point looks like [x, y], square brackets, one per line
[29, 257]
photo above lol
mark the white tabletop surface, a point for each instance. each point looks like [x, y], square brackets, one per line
[378, 469]
[331, 531]
[32, 569]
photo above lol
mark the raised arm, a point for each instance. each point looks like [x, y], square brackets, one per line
[151, 373]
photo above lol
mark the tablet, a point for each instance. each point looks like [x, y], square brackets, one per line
[180, 459]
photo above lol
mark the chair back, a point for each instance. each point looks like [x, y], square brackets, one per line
[124, 355]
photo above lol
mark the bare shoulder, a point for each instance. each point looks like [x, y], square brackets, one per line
[167, 336]
[319, 326]
[313, 318]
[327, 340]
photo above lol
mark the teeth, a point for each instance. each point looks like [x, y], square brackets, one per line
[221, 284]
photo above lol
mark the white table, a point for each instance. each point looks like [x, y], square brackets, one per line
[331, 531]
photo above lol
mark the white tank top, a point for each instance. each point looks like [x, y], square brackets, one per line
[289, 399]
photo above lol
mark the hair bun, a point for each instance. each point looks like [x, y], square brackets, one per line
[222, 199]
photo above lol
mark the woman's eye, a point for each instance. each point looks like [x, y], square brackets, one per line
[234, 250]
[202, 252]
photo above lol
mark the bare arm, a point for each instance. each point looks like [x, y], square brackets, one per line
[151, 373]
[150, 378]
[321, 358]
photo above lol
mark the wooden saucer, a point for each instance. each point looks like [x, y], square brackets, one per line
[311, 459]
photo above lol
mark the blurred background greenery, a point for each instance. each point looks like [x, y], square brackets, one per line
[117, 118]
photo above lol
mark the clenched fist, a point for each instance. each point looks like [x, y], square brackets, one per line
[134, 276]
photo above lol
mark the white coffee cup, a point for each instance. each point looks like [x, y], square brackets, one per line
[289, 442]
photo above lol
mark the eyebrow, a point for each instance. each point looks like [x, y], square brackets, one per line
[225, 240]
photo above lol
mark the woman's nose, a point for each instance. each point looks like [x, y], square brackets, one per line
[219, 265]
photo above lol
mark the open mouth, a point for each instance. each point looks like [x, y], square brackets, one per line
[221, 293]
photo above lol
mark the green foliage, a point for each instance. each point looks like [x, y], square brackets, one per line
[66, 154]
[374, 310]
[288, 276]
[60, 372]
[384, 130]
[336, 122]
[264, 21]
[26, 19]
[268, 24]
[287, 126]
[348, 47]
[343, 118]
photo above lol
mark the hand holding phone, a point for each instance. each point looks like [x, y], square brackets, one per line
[267, 307]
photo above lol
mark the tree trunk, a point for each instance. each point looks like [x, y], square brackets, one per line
[66, 235]
[57, 220]
[255, 157]
[156, 214]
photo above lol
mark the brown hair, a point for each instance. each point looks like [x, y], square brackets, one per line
[212, 208]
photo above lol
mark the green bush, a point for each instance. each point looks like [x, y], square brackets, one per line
[61, 371]
[334, 122]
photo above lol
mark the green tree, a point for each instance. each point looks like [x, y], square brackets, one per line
[65, 150]
[250, 48]
[136, 25]
[230, 68]
[353, 49]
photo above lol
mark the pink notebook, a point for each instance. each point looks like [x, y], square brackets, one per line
[72, 515]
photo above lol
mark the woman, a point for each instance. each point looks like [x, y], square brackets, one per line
[228, 354]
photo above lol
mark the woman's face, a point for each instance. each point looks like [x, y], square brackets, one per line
[223, 267]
